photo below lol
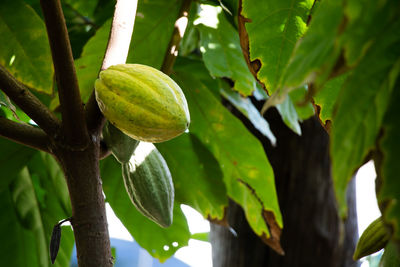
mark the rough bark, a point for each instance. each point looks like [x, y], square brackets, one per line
[89, 220]
[313, 234]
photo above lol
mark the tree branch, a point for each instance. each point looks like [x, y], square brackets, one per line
[29, 103]
[73, 120]
[24, 134]
[116, 53]
[177, 35]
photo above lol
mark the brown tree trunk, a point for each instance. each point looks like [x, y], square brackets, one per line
[313, 234]
[89, 220]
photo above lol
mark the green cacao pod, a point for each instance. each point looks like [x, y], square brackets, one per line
[373, 239]
[142, 102]
[121, 145]
[149, 185]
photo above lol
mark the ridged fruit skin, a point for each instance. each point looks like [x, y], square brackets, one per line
[142, 102]
[373, 239]
[150, 188]
[121, 145]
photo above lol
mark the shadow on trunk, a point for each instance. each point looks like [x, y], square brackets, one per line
[313, 234]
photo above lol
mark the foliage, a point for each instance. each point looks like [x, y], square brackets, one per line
[339, 57]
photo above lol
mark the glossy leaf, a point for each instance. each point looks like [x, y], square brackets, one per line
[361, 107]
[318, 50]
[222, 54]
[30, 209]
[242, 159]
[189, 158]
[365, 21]
[246, 107]
[85, 8]
[13, 158]
[273, 30]
[138, 225]
[388, 168]
[154, 24]
[88, 65]
[391, 256]
[201, 236]
[25, 51]
[326, 97]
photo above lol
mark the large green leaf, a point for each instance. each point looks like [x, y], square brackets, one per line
[85, 8]
[318, 50]
[188, 158]
[326, 97]
[31, 206]
[222, 54]
[388, 167]
[148, 234]
[248, 176]
[361, 106]
[13, 158]
[18, 243]
[294, 110]
[153, 29]
[24, 49]
[246, 107]
[88, 65]
[366, 19]
[273, 30]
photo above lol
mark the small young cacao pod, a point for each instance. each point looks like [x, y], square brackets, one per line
[121, 145]
[142, 102]
[374, 238]
[149, 185]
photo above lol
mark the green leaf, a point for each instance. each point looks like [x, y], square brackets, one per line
[153, 29]
[304, 108]
[88, 65]
[248, 176]
[85, 8]
[18, 246]
[25, 50]
[146, 233]
[201, 236]
[318, 50]
[326, 97]
[222, 53]
[388, 168]
[273, 31]
[13, 158]
[191, 38]
[361, 106]
[391, 256]
[187, 156]
[287, 110]
[32, 206]
[246, 107]
[365, 20]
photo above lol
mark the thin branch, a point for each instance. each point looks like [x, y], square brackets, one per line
[24, 134]
[73, 120]
[116, 53]
[177, 35]
[29, 103]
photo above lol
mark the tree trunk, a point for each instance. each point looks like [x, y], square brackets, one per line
[313, 234]
[89, 220]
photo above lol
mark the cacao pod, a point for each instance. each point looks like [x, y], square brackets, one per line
[373, 239]
[142, 102]
[121, 145]
[149, 185]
